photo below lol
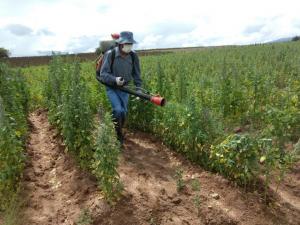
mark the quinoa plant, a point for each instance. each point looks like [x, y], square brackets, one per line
[13, 132]
[105, 159]
[68, 100]
[11, 160]
[54, 88]
[76, 116]
[15, 96]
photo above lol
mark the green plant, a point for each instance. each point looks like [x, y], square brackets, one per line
[68, 100]
[12, 214]
[269, 159]
[13, 130]
[180, 184]
[236, 157]
[105, 160]
[197, 203]
[195, 185]
[76, 116]
[14, 93]
[11, 160]
[85, 218]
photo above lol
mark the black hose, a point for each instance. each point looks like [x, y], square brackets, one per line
[129, 91]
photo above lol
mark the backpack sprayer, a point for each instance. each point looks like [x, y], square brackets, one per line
[155, 99]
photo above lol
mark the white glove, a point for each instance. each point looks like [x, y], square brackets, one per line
[138, 90]
[120, 81]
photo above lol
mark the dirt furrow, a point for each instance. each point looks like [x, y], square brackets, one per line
[289, 188]
[56, 190]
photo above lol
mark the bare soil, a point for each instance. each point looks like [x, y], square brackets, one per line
[288, 190]
[57, 191]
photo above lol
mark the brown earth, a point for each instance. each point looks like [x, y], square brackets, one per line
[55, 189]
[58, 191]
[45, 60]
[27, 61]
[289, 189]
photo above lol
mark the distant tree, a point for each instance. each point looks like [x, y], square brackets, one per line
[296, 38]
[4, 53]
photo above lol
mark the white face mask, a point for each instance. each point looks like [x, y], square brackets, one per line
[127, 48]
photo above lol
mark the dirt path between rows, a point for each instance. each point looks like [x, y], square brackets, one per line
[58, 192]
[289, 188]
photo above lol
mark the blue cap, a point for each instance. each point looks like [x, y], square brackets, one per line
[126, 37]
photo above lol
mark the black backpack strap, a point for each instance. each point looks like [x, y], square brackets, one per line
[132, 58]
[113, 54]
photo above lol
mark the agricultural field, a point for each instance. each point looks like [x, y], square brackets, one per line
[224, 150]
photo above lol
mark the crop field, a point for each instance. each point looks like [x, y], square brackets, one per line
[225, 149]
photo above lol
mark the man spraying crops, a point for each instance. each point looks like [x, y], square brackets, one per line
[120, 65]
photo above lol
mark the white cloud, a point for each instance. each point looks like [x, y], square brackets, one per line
[76, 25]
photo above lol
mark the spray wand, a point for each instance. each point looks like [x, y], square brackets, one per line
[155, 99]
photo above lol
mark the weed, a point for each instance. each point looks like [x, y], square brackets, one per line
[179, 179]
[195, 185]
[197, 203]
[85, 218]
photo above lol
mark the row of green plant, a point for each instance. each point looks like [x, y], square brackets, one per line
[72, 111]
[254, 90]
[213, 93]
[13, 131]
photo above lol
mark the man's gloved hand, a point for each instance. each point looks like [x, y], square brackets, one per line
[138, 90]
[120, 81]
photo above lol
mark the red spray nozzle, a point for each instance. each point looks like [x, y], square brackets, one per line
[158, 100]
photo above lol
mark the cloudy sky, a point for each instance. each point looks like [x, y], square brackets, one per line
[37, 27]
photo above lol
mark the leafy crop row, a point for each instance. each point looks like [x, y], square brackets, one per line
[13, 129]
[71, 109]
[214, 93]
